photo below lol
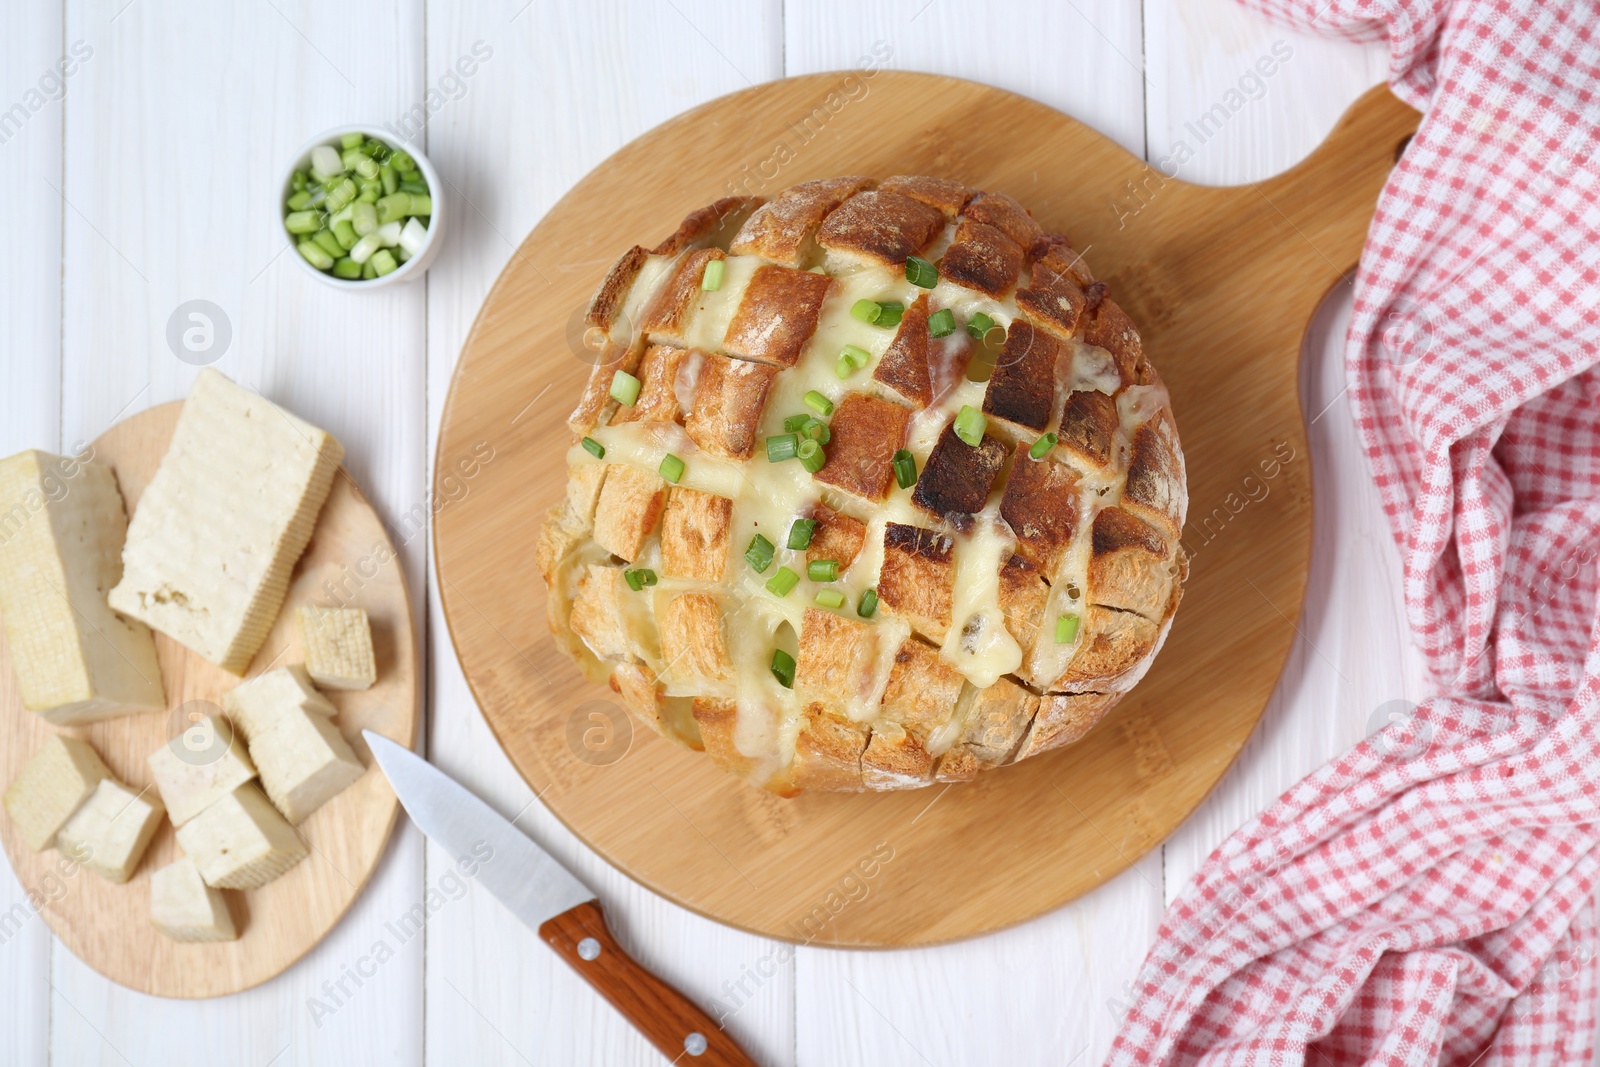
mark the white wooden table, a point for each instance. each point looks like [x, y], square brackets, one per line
[148, 177]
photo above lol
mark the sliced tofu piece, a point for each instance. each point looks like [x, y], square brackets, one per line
[241, 841]
[254, 705]
[110, 832]
[184, 908]
[200, 766]
[338, 644]
[55, 783]
[220, 526]
[61, 537]
[304, 762]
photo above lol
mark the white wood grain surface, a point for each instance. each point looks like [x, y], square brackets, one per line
[150, 180]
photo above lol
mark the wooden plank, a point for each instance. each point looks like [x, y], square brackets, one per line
[31, 47]
[532, 121]
[209, 101]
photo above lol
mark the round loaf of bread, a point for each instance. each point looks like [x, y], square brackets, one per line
[871, 486]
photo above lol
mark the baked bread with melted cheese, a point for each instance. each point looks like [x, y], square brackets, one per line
[961, 667]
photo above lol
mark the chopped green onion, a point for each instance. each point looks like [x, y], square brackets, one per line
[364, 217]
[818, 403]
[325, 163]
[811, 456]
[867, 311]
[368, 271]
[711, 281]
[341, 194]
[640, 578]
[594, 448]
[759, 554]
[403, 162]
[367, 168]
[830, 598]
[315, 254]
[389, 179]
[979, 325]
[363, 250]
[823, 570]
[783, 667]
[329, 243]
[347, 268]
[394, 206]
[942, 323]
[782, 581]
[970, 425]
[781, 447]
[921, 273]
[800, 533]
[816, 429]
[421, 203]
[798, 422]
[413, 235]
[1042, 446]
[856, 355]
[345, 234]
[890, 313]
[844, 368]
[624, 388]
[303, 222]
[1066, 629]
[383, 262]
[671, 468]
[869, 604]
[413, 186]
[905, 468]
[299, 200]
[298, 182]
[353, 140]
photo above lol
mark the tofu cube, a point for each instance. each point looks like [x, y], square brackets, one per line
[304, 762]
[61, 537]
[256, 704]
[338, 644]
[111, 831]
[220, 526]
[241, 842]
[200, 766]
[184, 908]
[55, 783]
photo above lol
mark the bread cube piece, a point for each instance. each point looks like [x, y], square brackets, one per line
[1156, 490]
[827, 751]
[844, 663]
[694, 535]
[1041, 506]
[1022, 390]
[837, 537]
[995, 720]
[878, 228]
[61, 537]
[1063, 718]
[777, 315]
[1053, 300]
[948, 196]
[667, 317]
[254, 705]
[728, 400]
[1110, 328]
[902, 370]
[693, 649]
[1129, 569]
[712, 226]
[1006, 214]
[917, 580]
[241, 842]
[626, 513]
[199, 766]
[865, 433]
[981, 257]
[304, 762]
[220, 526]
[55, 783]
[956, 480]
[658, 386]
[784, 229]
[338, 644]
[111, 831]
[1089, 425]
[184, 908]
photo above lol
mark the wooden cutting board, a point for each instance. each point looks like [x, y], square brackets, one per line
[349, 562]
[1221, 281]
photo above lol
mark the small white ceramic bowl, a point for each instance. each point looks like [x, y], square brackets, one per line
[411, 269]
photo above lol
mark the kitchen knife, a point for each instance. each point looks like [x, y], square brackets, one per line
[547, 898]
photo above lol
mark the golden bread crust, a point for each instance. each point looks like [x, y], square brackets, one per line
[992, 609]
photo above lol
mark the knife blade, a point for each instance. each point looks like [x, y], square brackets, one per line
[550, 900]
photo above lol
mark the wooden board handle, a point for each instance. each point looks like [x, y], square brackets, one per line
[674, 1024]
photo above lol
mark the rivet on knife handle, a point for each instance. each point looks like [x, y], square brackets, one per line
[674, 1024]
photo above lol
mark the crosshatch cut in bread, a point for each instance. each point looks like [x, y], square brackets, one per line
[871, 486]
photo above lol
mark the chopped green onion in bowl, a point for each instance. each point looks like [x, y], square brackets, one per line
[357, 208]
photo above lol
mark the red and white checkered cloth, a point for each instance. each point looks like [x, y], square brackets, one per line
[1428, 896]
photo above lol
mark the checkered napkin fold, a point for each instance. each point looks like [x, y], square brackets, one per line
[1438, 906]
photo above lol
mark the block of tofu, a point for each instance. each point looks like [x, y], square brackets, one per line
[241, 841]
[111, 831]
[61, 536]
[338, 644]
[184, 908]
[55, 783]
[304, 762]
[200, 766]
[254, 705]
[220, 526]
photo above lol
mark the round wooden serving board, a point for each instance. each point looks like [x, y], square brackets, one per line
[108, 926]
[1221, 282]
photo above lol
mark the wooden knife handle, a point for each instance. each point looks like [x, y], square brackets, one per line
[683, 1033]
